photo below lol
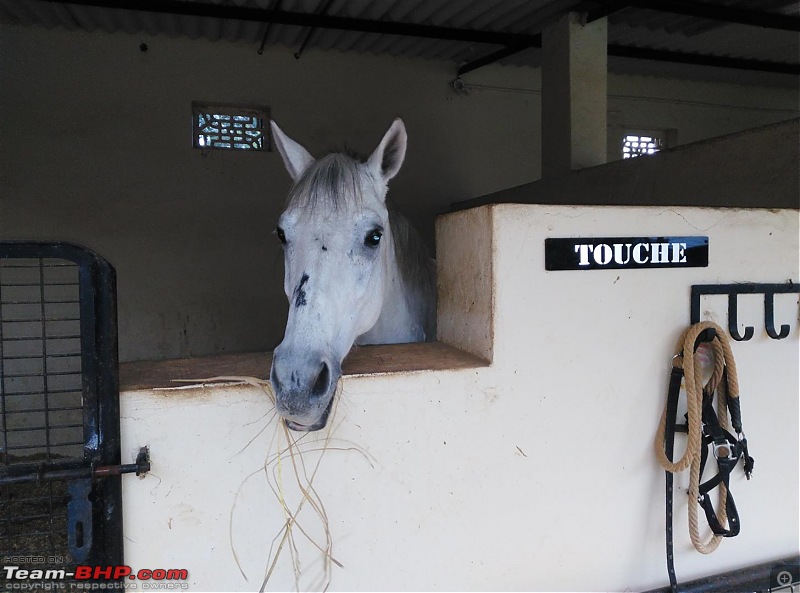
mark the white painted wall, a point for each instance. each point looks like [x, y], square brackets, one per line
[96, 149]
[536, 473]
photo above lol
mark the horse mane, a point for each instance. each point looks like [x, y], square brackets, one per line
[417, 268]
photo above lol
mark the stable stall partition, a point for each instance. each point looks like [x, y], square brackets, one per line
[517, 453]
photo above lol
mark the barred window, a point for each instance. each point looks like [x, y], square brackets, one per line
[230, 127]
[634, 145]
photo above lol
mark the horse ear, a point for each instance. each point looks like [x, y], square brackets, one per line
[296, 158]
[388, 157]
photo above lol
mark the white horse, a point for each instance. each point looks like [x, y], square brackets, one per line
[356, 272]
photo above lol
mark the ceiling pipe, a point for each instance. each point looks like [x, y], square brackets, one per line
[267, 29]
[322, 11]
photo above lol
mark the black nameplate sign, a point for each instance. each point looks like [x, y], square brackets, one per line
[614, 253]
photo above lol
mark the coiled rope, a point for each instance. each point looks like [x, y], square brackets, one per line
[685, 359]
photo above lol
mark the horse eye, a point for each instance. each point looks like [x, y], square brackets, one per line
[281, 235]
[373, 238]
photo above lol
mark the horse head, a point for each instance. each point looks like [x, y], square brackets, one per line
[339, 260]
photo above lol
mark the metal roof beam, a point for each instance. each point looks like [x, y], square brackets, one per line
[607, 9]
[642, 53]
[717, 12]
[496, 56]
[303, 19]
[513, 43]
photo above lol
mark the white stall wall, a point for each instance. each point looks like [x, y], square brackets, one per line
[536, 473]
[96, 148]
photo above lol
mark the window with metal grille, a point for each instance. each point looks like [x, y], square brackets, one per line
[634, 145]
[230, 127]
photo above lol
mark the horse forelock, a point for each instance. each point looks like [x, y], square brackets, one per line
[331, 182]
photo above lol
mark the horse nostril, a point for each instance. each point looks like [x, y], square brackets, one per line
[273, 377]
[321, 384]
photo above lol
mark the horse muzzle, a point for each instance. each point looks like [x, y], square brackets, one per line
[304, 388]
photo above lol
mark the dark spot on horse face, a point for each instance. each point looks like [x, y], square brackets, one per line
[299, 293]
[324, 248]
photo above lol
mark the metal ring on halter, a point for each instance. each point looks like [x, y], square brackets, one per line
[726, 445]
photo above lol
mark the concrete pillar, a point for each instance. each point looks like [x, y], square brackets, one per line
[574, 94]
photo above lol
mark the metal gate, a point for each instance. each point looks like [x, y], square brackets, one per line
[59, 408]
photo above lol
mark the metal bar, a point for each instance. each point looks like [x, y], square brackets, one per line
[39, 338]
[51, 302]
[21, 393]
[75, 254]
[761, 577]
[89, 358]
[42, 473]
[30, 266]
[2, 372]
[498, 55]
[640, 53]
[732, 290]
[110, 490]
[26, 357]
[18, 320]
[267, 29]
[718, 12]
[302, 19]
[38, 447]
[53, 374]
[80, 520]
[53, 409]
[37, 284]
[607, 9]
[44, 427]
[44, 361]
[745, 288]
[322, 11]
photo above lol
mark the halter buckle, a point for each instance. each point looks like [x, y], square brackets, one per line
[722, 449]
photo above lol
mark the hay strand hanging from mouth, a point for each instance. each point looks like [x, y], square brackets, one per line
[290, 477]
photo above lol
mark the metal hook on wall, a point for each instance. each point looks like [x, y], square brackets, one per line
[733, 322]
[733, 291]
[769, 318]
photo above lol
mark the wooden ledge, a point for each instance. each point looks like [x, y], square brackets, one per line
[362, 360]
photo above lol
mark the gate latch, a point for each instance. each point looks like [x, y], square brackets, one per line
[79, 507]
[141, 466]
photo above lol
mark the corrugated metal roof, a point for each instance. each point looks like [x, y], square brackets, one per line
[631, 26]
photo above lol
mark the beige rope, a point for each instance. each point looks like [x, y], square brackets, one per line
[685, 358]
